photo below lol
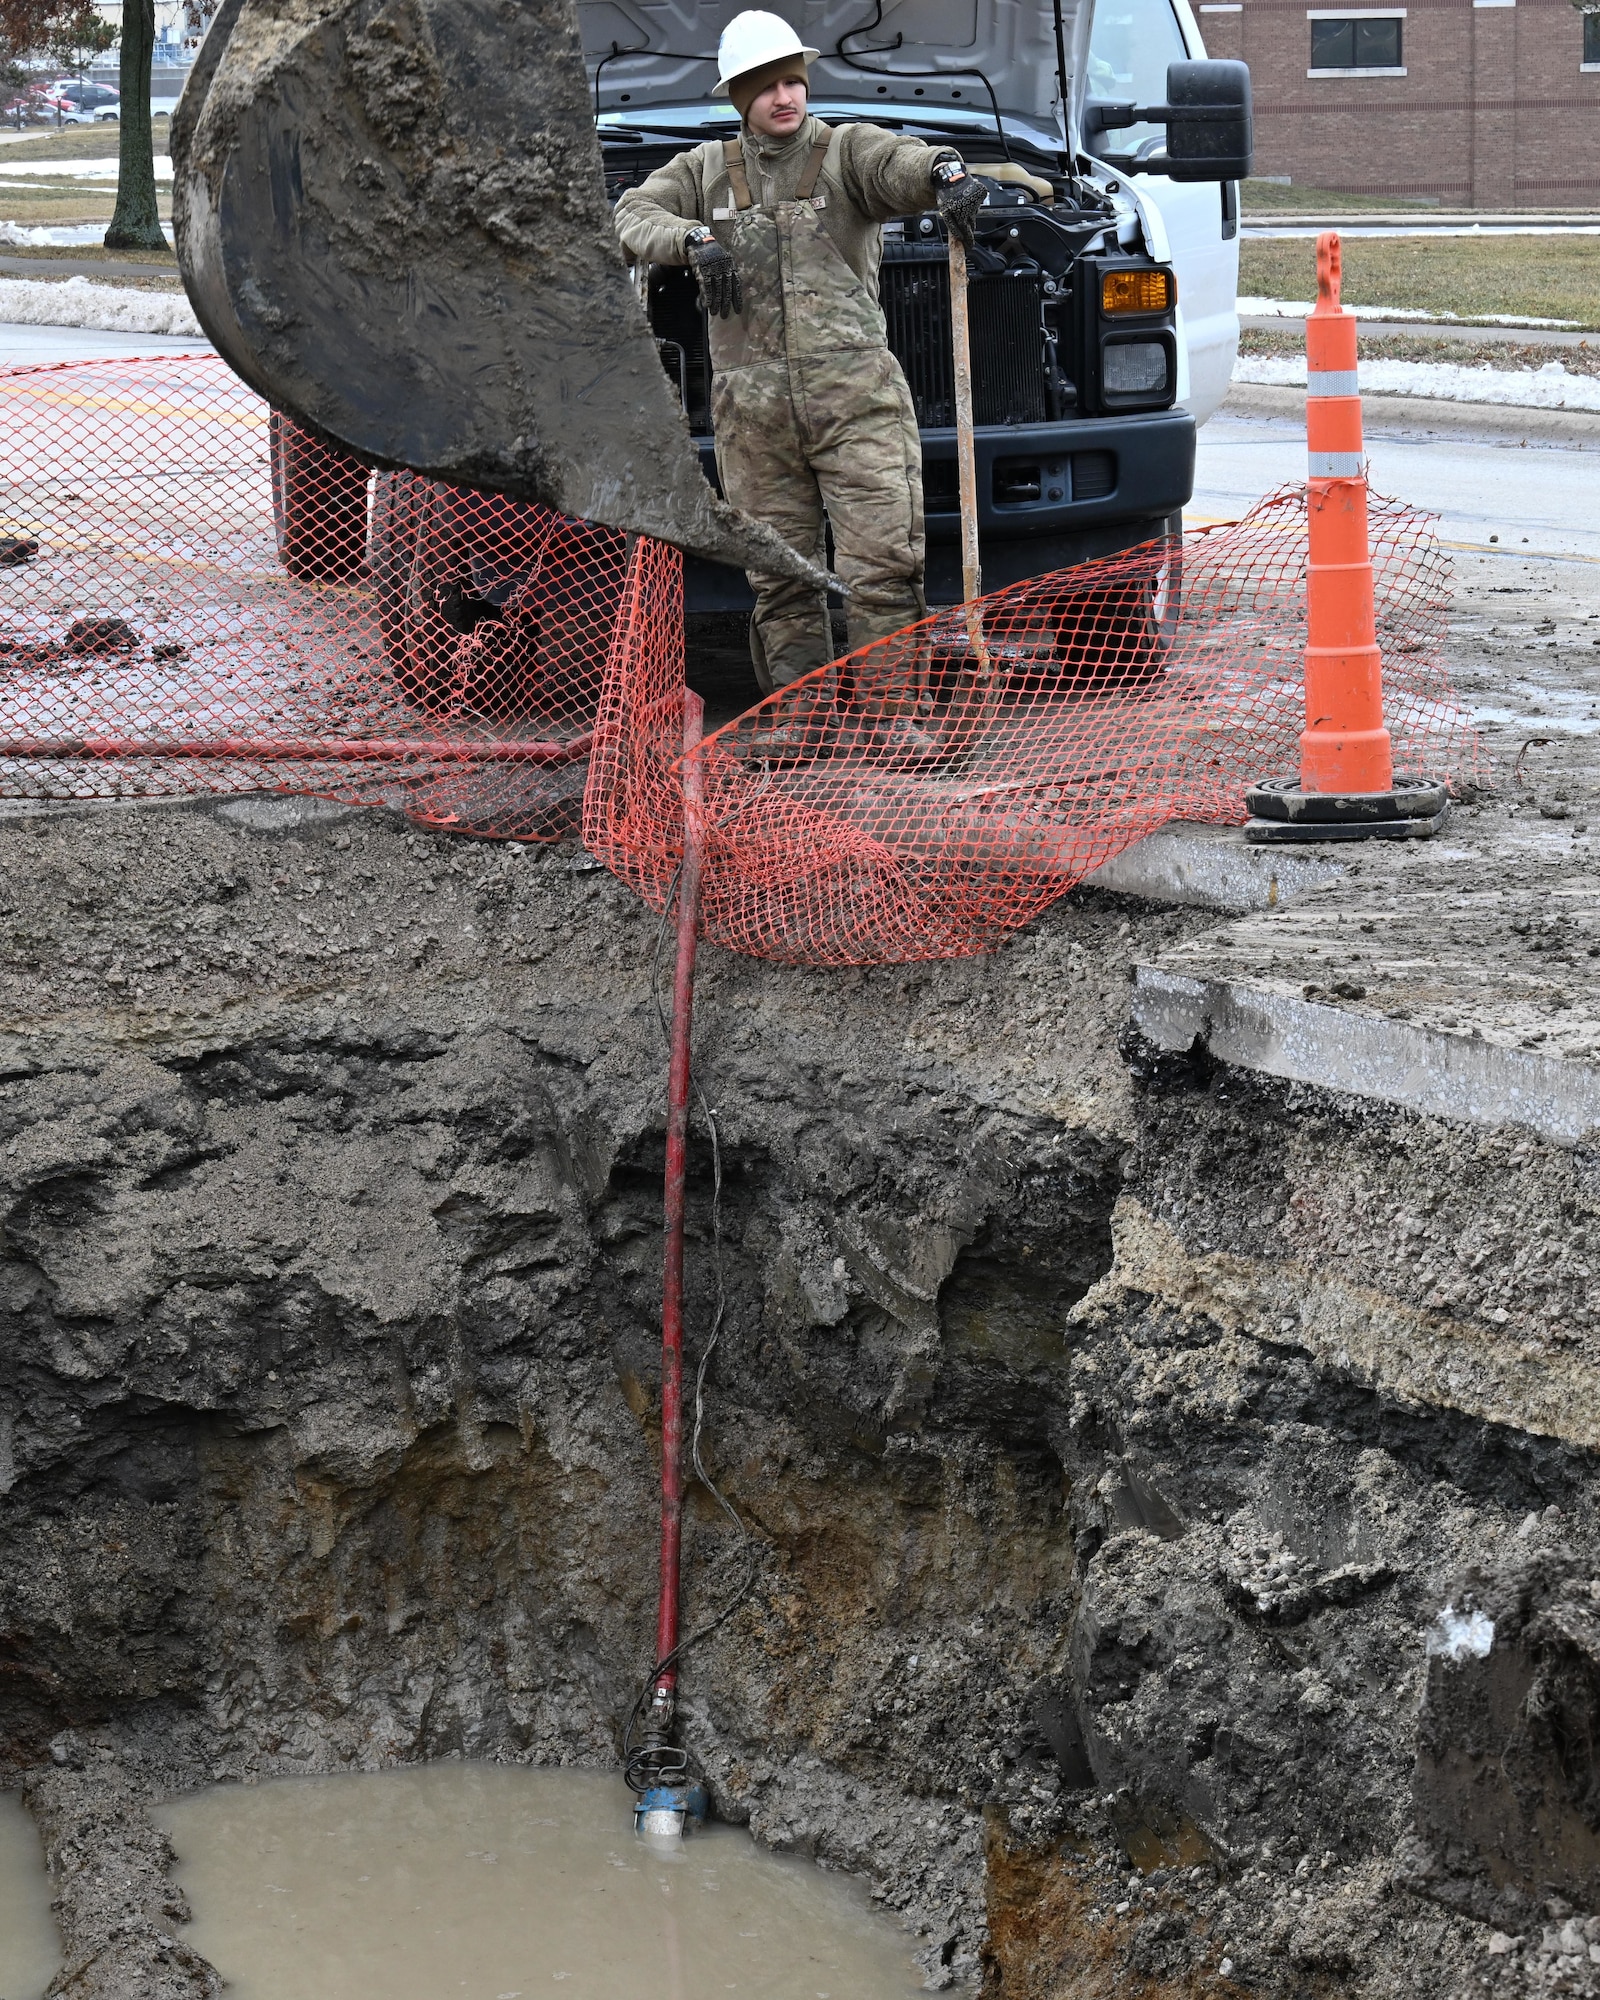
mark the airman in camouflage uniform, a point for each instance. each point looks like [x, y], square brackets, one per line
[811, 410]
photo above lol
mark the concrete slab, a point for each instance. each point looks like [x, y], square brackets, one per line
[1214, 868]
[1456, 978]
[271, 812]
[1456, 1074]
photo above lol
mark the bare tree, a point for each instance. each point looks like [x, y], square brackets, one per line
[136, 220]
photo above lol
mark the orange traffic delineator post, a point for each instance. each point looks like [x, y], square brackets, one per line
[1346, 788]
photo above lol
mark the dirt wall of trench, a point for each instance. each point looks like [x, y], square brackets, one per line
[1110, 1457]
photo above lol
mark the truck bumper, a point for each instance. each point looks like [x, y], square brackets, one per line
[1049, 495]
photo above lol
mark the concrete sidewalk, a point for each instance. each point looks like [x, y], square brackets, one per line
[1506, 484]
[1426, 416]
[41, 346]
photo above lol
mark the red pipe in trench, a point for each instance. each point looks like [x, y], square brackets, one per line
[672, 1275]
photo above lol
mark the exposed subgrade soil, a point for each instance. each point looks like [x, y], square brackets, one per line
[1127, 1642]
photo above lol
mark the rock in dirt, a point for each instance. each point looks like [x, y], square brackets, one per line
[101, 635]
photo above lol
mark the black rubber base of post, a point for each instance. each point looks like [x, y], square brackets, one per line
[1289, 832]
[1281, 799]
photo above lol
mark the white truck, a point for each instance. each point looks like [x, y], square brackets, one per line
[1104, 283]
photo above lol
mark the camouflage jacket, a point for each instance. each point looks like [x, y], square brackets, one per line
[809, 267]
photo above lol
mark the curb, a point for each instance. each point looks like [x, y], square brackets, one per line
[1428, 416]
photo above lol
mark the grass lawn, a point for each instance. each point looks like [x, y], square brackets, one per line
[1464, 353]
[53, 208]
[77, 142]
[40, 203]
[1272, 198]
[60, 209]
[1544, 277]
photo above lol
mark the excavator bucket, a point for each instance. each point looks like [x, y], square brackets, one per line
[391, 220]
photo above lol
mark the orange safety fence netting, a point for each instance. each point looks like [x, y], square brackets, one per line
[196, 596]
[932, 792]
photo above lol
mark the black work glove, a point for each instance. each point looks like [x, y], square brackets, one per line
[959, 197]
[716, 274]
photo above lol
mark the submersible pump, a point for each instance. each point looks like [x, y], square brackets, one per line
[670, 1797]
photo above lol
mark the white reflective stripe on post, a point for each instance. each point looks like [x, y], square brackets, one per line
[1331, 382]
[1336, 464]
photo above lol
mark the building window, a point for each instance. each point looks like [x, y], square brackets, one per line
[1591, 41]
[1360, 42]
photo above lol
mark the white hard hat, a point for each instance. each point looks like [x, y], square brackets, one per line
[751, 41]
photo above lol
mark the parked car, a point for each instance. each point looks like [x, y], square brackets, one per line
[23, 107]
[79, 102]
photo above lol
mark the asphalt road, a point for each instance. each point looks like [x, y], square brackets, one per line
[1539, 499]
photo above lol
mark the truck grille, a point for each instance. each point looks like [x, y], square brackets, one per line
[1007, 352]
[1007, 342]
[916, 310]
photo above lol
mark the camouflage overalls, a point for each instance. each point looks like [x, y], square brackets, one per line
[810, 409]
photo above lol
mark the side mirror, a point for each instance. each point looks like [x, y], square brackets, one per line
[1210, 135]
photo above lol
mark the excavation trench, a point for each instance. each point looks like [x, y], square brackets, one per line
[1092, 1623]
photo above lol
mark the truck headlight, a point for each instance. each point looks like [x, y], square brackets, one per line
[1135, 367]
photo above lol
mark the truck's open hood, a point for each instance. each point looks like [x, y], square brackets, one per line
[1012, 42]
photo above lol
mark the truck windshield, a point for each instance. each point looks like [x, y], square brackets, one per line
[1130, 44]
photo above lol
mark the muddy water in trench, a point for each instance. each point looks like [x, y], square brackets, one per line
[478, 1882]
[30, 1950]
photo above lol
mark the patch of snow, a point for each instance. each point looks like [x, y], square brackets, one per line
[32, 302]
[1300, 308]
[21, 235]
[1461, 1635]
[77, 170]
[1546, 388]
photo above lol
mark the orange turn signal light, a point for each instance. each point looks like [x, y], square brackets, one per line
[1138, 291]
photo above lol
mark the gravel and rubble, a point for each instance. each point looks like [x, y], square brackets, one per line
[1150, 1546]
[119, 1911]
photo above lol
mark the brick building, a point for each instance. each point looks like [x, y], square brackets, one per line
[1489, 104]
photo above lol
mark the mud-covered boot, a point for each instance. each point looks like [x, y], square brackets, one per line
[792, 729]
[907, 740]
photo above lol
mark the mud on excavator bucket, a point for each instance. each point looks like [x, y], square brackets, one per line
[391, 220]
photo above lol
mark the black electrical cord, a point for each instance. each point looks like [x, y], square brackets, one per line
[894, 75]
[648, 1764]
